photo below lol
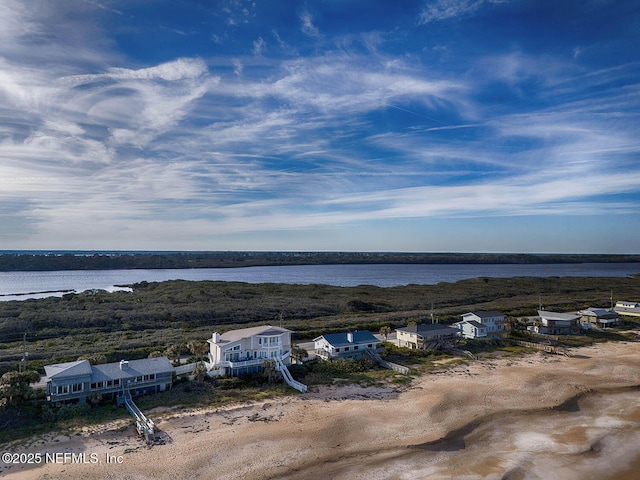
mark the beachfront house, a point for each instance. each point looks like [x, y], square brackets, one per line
[76, 381]
[631, 309]
[426, 335]
[493, 320]
[599, 317]
[471, 329]
[344, 345]
[243, 351]
[556, 323]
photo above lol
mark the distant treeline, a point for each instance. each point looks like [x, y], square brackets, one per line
[47, 261]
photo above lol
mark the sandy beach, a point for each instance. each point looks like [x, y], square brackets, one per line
[537, 416]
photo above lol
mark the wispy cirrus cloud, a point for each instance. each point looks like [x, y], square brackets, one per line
[306, 20]
[438, 10]
[288, 128]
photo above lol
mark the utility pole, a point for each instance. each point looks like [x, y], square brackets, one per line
[611, 299]
[23, 363]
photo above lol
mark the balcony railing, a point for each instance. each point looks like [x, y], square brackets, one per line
[248, 362]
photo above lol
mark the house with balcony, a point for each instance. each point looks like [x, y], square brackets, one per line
[471, 329]
[426, 335]
[76, 381]
[493, 320]
[243, 351]
[333, 346]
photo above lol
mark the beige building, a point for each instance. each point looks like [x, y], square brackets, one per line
[426, 335]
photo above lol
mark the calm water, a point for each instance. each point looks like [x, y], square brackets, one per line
[13, 284]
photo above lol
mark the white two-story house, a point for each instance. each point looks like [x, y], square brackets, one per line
[243, 351]
[491, 323]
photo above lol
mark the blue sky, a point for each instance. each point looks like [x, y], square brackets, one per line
[433, 125]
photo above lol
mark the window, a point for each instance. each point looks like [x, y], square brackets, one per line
[337, 350]
[152, 376]
[116, 382]
[62, 389]
[139, 379]
[76, 387]
[346, 349]
[370, 345]
[109, 383]
[356, 347]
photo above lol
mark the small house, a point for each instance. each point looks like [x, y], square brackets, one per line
[426, 335]
[345, 345]
[556, 323]
[599, 317]
[631, 309]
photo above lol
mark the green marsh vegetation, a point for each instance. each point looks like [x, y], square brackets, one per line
[174, 317]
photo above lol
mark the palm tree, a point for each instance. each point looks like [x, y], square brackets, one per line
[298, 353]
[269, 368]
[386, 330]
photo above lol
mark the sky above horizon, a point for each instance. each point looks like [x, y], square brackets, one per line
[335, 125]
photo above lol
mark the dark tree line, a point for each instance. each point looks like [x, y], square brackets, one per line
[28, 261]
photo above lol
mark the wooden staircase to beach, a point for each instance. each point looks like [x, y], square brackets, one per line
[144, 425]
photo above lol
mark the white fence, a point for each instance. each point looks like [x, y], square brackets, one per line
[187, 368]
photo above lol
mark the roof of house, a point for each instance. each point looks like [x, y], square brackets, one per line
[108, 371]
[233, 335]
[598, 312]
[340, 339]
[472, 322]
[428, 328]
[69, 369]
[557, 315]
[485, 313]
[133, 368]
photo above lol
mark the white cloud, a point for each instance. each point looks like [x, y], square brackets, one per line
[237, 67]
[438, 10]
[259, 46]
[306, 19]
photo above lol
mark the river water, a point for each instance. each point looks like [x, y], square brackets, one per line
[23, 285]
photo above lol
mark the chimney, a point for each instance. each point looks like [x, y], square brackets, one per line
[124, 364]
[215, 338]
[350, 337]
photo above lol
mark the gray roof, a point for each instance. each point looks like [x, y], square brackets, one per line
[234, 335]
[486, 313]
[428, 328]
[134, 368]
[598, 312]
[476, 324]
[69, 369]
[472, 322]
[341, 340]
[557, 315]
